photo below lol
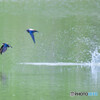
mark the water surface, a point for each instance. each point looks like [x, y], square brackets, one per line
[68, 32]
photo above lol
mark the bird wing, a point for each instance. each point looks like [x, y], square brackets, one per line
[32, 35]
[1, 50]
[4, 49]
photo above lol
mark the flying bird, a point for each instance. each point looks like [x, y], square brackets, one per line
[31, 32]
[4, 47]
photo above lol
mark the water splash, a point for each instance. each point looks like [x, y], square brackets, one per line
[95, 56]
[95, 62]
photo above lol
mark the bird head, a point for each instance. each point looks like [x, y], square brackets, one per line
[31, 30]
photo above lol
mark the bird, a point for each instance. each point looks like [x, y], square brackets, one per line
[31, 32]
[4, 47]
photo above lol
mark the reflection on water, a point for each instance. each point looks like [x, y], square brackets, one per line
[3, 78]
[50, 82]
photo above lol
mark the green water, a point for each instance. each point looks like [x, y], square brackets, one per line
[68, 32]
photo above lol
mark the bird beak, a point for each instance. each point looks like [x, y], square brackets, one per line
[35, 30]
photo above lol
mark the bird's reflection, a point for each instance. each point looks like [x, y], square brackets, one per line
[3, 78]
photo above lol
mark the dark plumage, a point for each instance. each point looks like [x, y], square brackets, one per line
[32, 31]
[4, 47]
